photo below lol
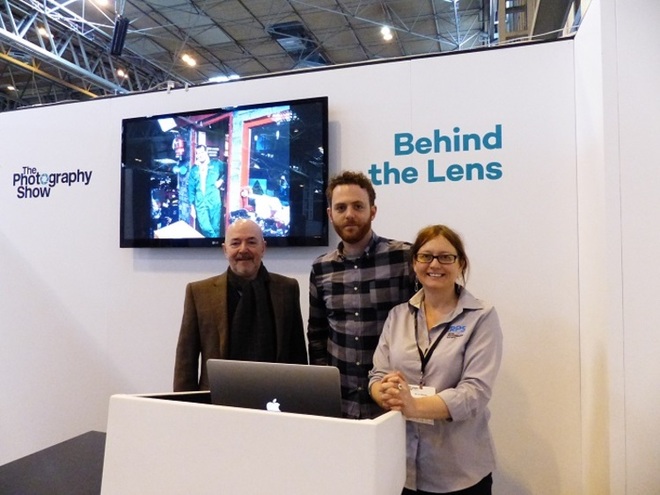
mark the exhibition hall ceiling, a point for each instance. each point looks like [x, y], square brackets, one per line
[57, 50]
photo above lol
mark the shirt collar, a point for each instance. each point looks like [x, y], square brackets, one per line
[465, 301]
[368, 250]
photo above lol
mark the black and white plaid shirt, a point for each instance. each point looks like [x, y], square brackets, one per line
[349, 300]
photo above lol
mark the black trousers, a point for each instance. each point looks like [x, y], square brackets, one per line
[481, 488]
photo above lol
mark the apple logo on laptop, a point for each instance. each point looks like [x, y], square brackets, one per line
[273, 405]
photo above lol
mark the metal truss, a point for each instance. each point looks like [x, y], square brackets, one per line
[59, 50]
[51, 54]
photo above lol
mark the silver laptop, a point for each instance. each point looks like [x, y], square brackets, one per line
[294, 388]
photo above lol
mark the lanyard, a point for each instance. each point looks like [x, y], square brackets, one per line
[424, 358]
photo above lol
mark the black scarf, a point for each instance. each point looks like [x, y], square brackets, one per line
[251, 329]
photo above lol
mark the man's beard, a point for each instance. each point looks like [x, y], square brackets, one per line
[354, 235]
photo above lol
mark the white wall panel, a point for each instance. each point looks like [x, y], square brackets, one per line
[98, 320]
[638, 62]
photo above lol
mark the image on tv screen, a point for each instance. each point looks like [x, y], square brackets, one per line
[186, 177]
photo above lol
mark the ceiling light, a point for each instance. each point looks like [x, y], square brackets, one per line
[43, 32]
[189, 60]
[386, 32]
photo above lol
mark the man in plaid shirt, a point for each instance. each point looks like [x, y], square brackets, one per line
[352, 289]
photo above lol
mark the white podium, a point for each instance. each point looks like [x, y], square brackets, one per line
[179, 444]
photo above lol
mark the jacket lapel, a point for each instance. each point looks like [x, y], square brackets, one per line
[220, 286]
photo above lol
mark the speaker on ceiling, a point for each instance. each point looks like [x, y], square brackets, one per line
[119, 35]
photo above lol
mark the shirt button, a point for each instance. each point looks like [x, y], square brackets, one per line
[357, 338]
[357, 363]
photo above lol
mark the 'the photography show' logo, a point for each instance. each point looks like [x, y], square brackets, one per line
[30, 183]
[443, 164]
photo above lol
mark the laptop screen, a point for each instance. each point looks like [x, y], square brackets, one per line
[294, 388]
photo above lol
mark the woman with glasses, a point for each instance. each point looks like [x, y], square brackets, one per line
[436, 362]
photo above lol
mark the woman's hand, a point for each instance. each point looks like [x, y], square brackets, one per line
[398, 397]
[392, 393]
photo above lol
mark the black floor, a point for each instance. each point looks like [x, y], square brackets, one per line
[74, 466]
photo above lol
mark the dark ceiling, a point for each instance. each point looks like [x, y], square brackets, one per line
[57, 50]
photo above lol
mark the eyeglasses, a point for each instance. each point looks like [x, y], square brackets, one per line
[444, 258]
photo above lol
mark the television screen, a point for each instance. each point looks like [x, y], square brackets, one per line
[185, 177]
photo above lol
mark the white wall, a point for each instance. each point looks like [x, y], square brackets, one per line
[638, 80]
[600, 257]
[83, 319]
[617, 76]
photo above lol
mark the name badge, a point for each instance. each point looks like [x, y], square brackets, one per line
[417, 391]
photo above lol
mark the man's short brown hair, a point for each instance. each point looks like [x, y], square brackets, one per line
[351, 178]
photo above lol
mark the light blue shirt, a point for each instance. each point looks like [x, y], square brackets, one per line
[448, 455]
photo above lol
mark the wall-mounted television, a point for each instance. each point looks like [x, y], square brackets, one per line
[185, 177]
